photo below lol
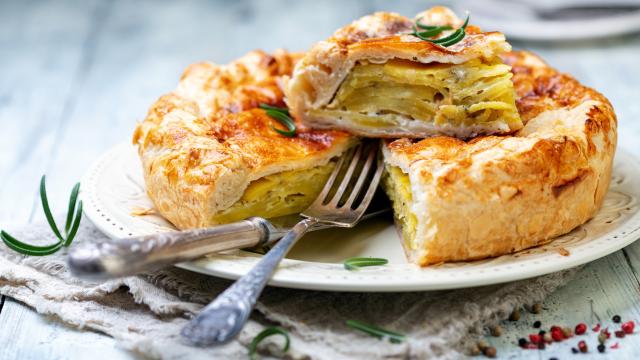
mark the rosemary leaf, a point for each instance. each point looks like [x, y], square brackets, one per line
[264, 106]
[283, 117]
[76, 225]
[285, 120]
[47, 210]
[429, 33]
[453, 38]
[26, 249]
[253, 347]
[431, 27]
[380, 333]
[358, 262]
[73, 199]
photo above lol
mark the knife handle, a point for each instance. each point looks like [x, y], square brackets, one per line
[133, 255]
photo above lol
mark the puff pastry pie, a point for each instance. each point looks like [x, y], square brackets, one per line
[373, 78]
[210, 156]
[493, 195]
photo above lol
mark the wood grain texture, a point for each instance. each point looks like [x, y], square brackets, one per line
[76, 75]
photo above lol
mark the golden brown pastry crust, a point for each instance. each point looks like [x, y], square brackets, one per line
[202, 144]
[495, 195]
[378, 38]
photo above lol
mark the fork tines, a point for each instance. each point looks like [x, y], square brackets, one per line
[350, 186]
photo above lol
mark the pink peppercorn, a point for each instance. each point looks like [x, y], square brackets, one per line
[628, 327]
[535, 338]
[581, 329]
[596, 328]
[583, 346]
[557, 334]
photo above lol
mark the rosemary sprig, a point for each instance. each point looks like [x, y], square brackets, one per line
[253, 347]
[283, 117]
[358, 262]
[71, 226]
[380, 333]
[431, 31]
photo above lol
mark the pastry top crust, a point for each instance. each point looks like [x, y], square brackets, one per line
[497, 194]
[378, 38]
[202, 144]
[545, 96]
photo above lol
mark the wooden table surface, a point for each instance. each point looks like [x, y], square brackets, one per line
[75, 76]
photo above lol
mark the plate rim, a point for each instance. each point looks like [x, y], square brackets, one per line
[362, 281]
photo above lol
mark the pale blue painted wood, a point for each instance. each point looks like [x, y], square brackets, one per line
[76, 75]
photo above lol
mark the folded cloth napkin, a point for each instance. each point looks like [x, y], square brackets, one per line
[145, 313]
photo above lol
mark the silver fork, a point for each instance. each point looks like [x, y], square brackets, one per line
[356, 175]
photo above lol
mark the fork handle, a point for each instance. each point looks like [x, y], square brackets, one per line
[222, 320]
[130, 256]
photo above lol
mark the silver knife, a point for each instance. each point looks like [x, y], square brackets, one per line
[135, 255]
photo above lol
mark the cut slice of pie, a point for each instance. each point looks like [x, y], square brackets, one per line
[211, 156]
[374, 78]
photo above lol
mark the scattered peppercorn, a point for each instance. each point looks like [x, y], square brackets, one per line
[534, 338]
[482, 345]
[567, 332]
[537, 308]
[515, 315]
[601, 348]
[537, 324]
[596, 328]
[581, 329]
[628, 327]
[490, 352]
[541, 345]
[615, 346]
[541, 332]
[496, 330]
[619, 334]
[547, 338]
[574, 350]
[553, 358]
[557, 334]
[602, 338]
[605, 332]
[616, 319]
[522, 342]
[582, 346]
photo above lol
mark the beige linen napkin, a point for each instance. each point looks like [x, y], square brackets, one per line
[145, 313]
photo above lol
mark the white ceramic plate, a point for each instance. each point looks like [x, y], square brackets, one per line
[114, 187]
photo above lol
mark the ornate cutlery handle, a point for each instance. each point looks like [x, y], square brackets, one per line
[129, 256]
[223, 319]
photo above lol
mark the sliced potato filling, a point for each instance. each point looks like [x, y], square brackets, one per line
[397, 186]
[285, 193]
[379, 95]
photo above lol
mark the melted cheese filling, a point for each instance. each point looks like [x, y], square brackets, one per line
[379, 95]
[397, 186]
[285, 193]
